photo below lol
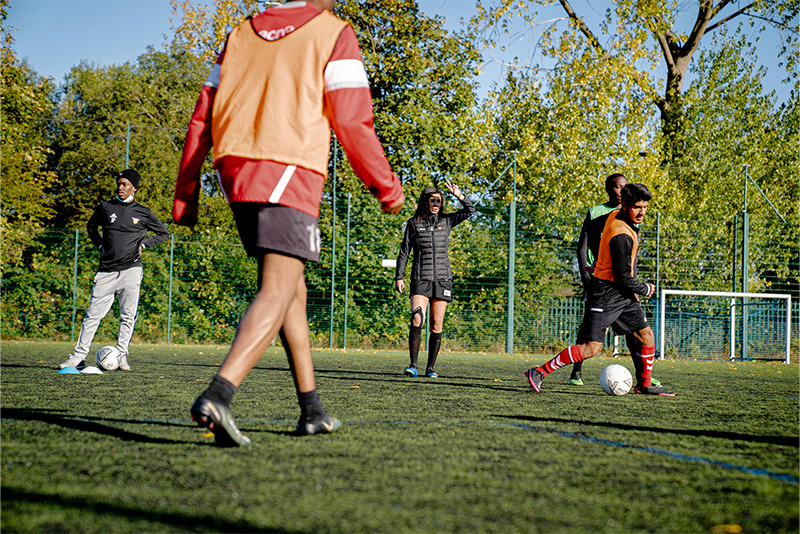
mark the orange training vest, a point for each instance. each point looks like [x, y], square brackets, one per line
[614, 227]
[270, 100]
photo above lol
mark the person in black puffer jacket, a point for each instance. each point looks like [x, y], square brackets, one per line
[428, 235]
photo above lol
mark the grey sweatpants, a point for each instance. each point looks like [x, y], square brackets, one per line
[125, 286]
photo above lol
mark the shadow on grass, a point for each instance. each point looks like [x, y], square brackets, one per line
[200, 523]
[89, 424]
[92, 424]
[785, 441]
[397, 378]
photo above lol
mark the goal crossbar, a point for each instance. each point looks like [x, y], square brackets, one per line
[732, 295]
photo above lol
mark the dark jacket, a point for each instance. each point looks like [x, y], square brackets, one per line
[124, 229]
[589, 240]
[430, 241]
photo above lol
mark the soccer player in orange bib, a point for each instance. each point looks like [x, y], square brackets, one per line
[284, 78]
[613, 298]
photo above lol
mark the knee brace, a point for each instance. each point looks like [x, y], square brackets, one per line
[418, 311]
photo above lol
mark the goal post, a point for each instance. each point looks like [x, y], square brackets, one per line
[707, 321]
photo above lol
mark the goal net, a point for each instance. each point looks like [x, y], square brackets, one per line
[719, 325]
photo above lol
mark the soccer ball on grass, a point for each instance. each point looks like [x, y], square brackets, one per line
[108, 358]
[616, 380]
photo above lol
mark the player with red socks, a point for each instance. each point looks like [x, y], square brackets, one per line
[613, 299]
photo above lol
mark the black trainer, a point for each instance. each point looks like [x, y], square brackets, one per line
[321, 425]
[219, 420]
[534, 379]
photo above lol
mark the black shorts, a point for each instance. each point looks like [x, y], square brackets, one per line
[440, 290]
[273, 228]
[623, 314]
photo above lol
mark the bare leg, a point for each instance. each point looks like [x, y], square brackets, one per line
[297, 342]
[421, 302]
[279, 278]
[438, 307]
[279, 305]
[591, 349]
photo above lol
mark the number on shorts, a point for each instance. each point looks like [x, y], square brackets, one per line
[314, 239]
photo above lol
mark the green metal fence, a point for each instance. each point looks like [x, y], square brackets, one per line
[196, 287]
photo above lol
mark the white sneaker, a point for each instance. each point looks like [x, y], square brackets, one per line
[123, 363]
[74, 361]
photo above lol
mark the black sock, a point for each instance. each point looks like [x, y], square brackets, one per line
[414, 341]
[220, 391]
[576, 370]
[434, 343]
[310, 404]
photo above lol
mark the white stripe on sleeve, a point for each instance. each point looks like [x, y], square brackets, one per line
[345, 74]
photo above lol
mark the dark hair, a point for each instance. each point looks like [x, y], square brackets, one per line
[611, 181]
[633, 193]
[423, 206]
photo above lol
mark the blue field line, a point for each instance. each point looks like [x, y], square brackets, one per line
[774, 475]
[783, 477]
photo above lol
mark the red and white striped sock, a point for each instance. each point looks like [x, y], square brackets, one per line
[648, 357]
[565, 357]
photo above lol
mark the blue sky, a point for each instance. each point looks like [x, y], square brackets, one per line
[55, 35]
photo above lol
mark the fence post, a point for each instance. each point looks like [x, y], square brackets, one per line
[346, 271]
[512, 234]
[733, 252]
[745, 266]
[658, 279]
[333, 246]
[169, 298]
[128, 146]
[74, 287]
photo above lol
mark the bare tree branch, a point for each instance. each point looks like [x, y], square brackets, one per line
[704, 15]
[729, 17]
[582, 26]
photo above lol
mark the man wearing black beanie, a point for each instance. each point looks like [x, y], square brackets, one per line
[125, 226]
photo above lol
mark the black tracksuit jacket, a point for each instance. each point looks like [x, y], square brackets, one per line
[124, 229]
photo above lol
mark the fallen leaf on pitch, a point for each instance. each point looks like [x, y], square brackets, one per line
[354, 387]
[727, 529]
[208, 435]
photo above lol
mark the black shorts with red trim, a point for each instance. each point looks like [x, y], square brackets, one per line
[607, 307]
[266, 228]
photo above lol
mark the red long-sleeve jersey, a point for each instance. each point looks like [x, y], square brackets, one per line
[347, 105]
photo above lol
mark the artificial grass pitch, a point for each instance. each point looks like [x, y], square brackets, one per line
[472, 451]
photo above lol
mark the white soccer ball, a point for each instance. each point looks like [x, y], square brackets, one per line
[108, 358]
[616, 380]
